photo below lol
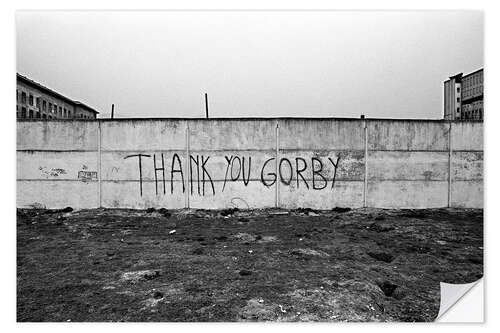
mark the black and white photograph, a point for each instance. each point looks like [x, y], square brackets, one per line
[247, 165]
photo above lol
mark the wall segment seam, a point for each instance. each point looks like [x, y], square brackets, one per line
[188, 166]
[365, 184]
[277, 198]
[99, 168]
[450, 154]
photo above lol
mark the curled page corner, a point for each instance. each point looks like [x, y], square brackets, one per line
[451, 294]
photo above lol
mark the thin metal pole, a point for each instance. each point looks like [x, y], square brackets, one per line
[112, 111]
[206, 105]
[99, 168]
[188, 161]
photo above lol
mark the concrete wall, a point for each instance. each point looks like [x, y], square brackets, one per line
[254, 163]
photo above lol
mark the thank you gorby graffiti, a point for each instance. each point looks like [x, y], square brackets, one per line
[171, 173]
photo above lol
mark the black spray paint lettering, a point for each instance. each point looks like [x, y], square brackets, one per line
[205, 175]
[282, 178]
[173, 170]
[156, 173]
[197, 163]
[140, 167]
[285, 163]
[335, 166]
[300, 170]
[230, 168]
[268, 174]
[237, 168]
[318, 173]
[205, 172]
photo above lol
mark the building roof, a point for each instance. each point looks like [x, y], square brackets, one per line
[460, 76]
[84, 106]
[472, 73]
[49, 91]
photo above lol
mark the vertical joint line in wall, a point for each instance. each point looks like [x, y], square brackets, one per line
[277, 197]
[365, 184]
[99, 169]
[450, 154]
[187, 168]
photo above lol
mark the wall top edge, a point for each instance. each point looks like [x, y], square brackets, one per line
[249, 119]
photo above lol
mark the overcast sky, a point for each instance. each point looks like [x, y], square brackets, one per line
[256, 64]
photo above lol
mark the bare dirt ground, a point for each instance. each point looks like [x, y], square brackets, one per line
[266, 265]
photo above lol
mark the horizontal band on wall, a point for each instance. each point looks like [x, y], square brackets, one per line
[58, 150]
[183, 151]
[421, 180]
[319, 149]
[425, 151]
[219, 180]
[56, 180]
[239, 150]
[294, 180]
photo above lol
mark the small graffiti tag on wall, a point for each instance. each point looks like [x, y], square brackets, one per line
[86, 176]
[54, 172]
[237, 169]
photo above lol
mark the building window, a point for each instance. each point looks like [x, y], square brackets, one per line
[458, 110]
[30, 114]
[44, 106]
[458, 89]
[458, 99]
[23, 97]
[31, 99]
[44, 116]
[38, 102]
[17, 95]
[50, 107]
[60, 111]
[38, 115]
[23, 112]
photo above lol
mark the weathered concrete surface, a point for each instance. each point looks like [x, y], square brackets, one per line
[467, 136]
[344, 194]
[407, 135]
[407, 194]
[57, 135]
[467, 186]
[124, 194]
[249, 163]
[327, 134]
[57, 194]
[409, 164]
[143, 135]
